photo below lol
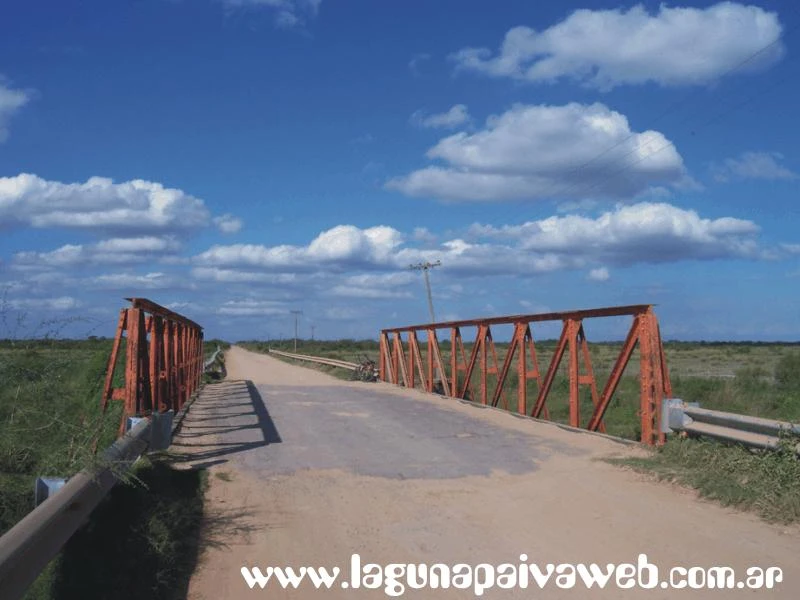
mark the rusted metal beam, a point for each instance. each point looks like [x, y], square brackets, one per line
[654, 379]
[551, 371]
[401, 360]
[501, 378]
[156, 309]
[615, 376]
[112, 360]
[589, 373]
[610, 311]
[163, 360]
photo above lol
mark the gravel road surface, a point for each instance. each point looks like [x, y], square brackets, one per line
[306, 470]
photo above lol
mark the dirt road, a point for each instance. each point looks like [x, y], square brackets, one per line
[307, 470]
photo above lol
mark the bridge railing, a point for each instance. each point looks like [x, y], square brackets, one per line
[320, 360]
[403, 362]
[163, 368]
[163, 360]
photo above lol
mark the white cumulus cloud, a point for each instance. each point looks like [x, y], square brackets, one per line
[288, 13]
[134, 281]
[249, 308]
[228, 223]
[753, 165]
[99, 204]
[457, 115]
[112, 251]
[343, 245]
[11, 101]
[61, 303]
[540, 151]
[599, 274]
[607, 48]
[640, 233]
[374, 261]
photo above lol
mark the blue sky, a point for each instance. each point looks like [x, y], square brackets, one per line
[238, 159]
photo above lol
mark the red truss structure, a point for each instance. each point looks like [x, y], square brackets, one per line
[403, 362]
[163, 360]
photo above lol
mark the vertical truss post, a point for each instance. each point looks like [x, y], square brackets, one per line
[395, 367]
[386, 370]
[652, 379]
[644, 331]
[574, 374]
[520, 333]
[179, 383]
[646, 377]
[132, 365]
[412, 338]
[156, 360]
[416, 354]
[400, 358]
[166, 372]
[382, 356]
[112, 360]
[433, 344]
[588, 377]
[454, 336]
[482, 334]
[430, 358]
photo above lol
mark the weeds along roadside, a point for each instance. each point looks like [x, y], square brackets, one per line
[49, 415]
[50, 418]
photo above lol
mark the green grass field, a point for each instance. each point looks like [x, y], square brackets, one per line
[49, 415]
[50, 419]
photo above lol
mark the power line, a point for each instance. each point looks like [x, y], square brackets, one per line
[425, 267]
[702, 126]
[554, 188]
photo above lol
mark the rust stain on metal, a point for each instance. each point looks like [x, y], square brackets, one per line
[654, 384]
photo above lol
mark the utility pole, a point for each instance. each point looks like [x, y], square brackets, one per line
[312, 332]
[425, 267]
[295, 313]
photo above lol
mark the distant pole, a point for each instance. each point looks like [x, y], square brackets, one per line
[312, 332]
[425, 267]
[295, 313]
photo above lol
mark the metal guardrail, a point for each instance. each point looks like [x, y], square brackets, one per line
[27, 547]
[213, 358]
[753, 432]
[332, 362]
[174, 344]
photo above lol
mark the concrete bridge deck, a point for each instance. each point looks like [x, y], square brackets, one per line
[306, 470]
